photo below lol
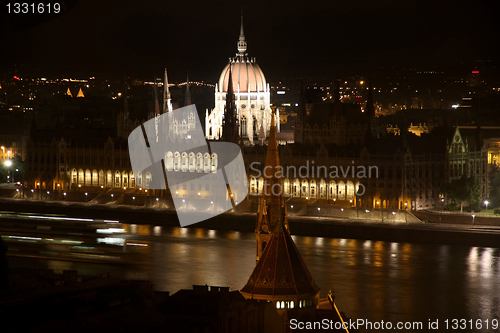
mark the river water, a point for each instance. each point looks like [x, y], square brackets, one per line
[372, 280]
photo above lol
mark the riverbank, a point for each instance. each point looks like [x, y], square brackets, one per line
[464, 234]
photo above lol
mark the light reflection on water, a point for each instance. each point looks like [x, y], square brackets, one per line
[371, 280]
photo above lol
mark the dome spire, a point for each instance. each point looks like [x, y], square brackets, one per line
[242, 43]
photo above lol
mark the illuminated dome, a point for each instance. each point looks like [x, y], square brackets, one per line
[252, 98]
[247, 76]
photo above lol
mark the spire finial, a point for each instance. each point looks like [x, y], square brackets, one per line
[242, 43]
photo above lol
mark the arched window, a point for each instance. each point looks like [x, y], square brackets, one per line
[313, 189]
[177, 161]
[206, 158]
[286, 185]
[322, 189]
[341, 190]
[253, 185]
[305, 188]
[296, 188]
[88, 178]
[192, 162]
[214, 162]
[169, 161]
[199, 162]
[184, 161]
[101, 177]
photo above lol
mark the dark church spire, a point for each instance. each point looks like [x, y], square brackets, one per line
[280, 273]
[272, 209]
[230, 126]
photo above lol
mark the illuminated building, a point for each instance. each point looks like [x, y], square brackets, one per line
[252, 98]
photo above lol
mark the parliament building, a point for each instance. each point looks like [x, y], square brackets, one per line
[333, 141]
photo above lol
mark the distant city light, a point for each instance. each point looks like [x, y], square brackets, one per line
[280, 92]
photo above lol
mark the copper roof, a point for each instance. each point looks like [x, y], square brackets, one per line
[281, 270]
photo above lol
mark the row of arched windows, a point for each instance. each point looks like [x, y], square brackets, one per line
[313, 189]
[291, 304]
[175, 161]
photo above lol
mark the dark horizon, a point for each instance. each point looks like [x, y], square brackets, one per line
[288, 39]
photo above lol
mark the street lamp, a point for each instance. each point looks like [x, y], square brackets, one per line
[86, 196]
[486, 203]
[64, 196]
[8, 163]
[133, 198]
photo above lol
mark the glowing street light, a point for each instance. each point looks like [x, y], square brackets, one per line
[8, 163]
[86, 194]
[486, 202]
[64, 195]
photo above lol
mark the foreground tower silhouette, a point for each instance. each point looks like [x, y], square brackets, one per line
[280, 276]
[272, 208]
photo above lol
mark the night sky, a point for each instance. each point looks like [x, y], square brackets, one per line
[288, 38]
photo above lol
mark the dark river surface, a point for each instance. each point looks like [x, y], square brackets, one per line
[372, 280]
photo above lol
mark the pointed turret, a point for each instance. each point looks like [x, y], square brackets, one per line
[167, 98]
[187, 97]
[272, 207]
[155, 96]
[80, 93]
[281, 275]
[157, 112]
[230, 126]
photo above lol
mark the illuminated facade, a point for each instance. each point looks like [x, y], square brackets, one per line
[252, 98]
